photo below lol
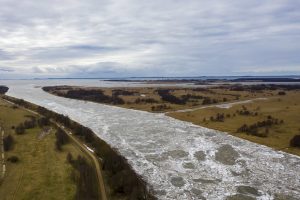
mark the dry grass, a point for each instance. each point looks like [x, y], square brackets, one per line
[150, 92]
[285, 108]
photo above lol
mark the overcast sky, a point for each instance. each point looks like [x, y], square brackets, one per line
[118, 38]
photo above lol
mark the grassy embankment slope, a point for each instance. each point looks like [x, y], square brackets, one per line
[42, 172]
[286, 108]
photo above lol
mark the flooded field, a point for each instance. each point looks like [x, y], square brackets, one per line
[178, 159]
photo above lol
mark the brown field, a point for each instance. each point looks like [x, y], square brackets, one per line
[286, 108]
[151, 93]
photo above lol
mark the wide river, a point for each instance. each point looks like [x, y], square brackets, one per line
[179, 160]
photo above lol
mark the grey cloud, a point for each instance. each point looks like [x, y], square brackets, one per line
[4, 69]
[157, 38]
[67, 52]
[5, 55]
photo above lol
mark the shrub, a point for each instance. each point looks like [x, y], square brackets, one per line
[8, 142]
[20, 129]
[43, 121]
[61, 139]
[14, 107]
[281, 93]
[28, 124]
[146, 100]
[13, 159]
[69, 158]
[206, 101]
[220, 117]
[160, 107]
[118, 92]
[295, 141]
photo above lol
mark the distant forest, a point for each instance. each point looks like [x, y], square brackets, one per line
[3, 89]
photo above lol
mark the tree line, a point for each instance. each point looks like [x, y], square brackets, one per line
[3, 89]
[87, 95]
[145, 100]
[85, 178]
[165, 95]
[31, 123]
[261, 87]
[253, 129]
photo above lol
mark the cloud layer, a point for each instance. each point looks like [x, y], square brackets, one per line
[102, 38]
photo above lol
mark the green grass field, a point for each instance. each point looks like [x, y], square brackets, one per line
[42, 172]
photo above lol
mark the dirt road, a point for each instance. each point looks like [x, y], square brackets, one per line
[222, 105]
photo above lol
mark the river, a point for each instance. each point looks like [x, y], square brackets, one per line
[179, 160]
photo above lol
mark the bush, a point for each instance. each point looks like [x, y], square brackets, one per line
[28, 124]
[206, 101]
[13, 159]
[118, 92]
[69, 158]
[220, 117]
[281, 93]
[43, 121]
[8, 142]
[14, 107]
[146, 100]
[160, 107]
[61, 139]
[295, 141]
[20, 129]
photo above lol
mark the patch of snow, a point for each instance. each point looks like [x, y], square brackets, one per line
[88, 148]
